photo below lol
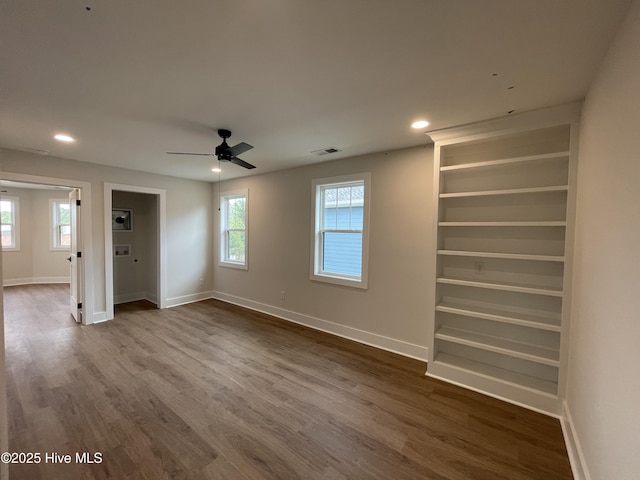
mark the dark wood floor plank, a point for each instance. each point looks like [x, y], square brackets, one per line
[213, 391]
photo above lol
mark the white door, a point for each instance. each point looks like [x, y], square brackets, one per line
[76, 257]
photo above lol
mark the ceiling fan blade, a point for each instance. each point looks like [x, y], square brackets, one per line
[242, 163]
[189, 153]
[240, 148]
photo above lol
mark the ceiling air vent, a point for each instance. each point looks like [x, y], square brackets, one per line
[326, 151]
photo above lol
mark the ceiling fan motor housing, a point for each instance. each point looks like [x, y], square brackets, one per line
[223, 151]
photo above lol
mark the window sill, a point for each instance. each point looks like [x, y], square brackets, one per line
[238, 266]
[345, 282]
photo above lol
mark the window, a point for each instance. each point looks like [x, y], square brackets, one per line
[10, 227]
[233, 229]
[341, 230]
[60, 224]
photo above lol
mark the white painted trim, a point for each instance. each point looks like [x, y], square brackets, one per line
[129, 297]
[17, 281]
[134, 297]
[373, 339]
[505, 398]
[527, 120]
[34, 280]
[86, 229]
[574, 449]
[315, 270]
[191, 298]
[53, 218]
[16, 223]
[150, 297]
[108, 241]
[99, 317]
[223, 200]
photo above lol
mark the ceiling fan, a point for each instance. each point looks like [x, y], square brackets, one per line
[224, 152]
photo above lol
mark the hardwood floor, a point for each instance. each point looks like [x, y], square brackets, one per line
[213, 391]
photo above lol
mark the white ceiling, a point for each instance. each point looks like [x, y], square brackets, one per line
[131, 80]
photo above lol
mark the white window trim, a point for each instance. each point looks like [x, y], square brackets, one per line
[53, 206]
[221, 231]
[316, 243]
[16, 223]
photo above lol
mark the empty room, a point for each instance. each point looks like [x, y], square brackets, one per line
[327, 240]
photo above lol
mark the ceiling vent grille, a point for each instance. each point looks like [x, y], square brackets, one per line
[326, 151]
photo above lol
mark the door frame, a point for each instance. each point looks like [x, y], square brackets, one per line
[108, 241]
[86, 266]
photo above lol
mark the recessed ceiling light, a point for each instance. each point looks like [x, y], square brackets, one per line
[61, 137]
[420, 124]
[216, 169]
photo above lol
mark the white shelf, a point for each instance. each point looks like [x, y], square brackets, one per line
[499, 374]
[503, 162]
[553, 223]
[509, 256]
[531, 320]
[510, 191]
[525, 351]
[504, 198]
[507, 287]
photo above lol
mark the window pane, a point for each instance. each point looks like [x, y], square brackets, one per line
[342, 253]
[235, 246]
[329, 205]
[236, 212]
[64, 214]
[6, 209]
[343, 207]
[7, 236]
[64, 236]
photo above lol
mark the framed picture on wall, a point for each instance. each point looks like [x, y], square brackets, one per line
[122, 219]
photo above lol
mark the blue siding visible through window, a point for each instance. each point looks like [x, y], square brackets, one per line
[343, 250]
[342, 253]
[346, 218]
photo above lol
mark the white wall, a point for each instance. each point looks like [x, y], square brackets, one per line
[35, 262]
[189, 213]
[603, 394]
[392, 313]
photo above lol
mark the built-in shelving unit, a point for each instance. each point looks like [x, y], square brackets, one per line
[503, 218]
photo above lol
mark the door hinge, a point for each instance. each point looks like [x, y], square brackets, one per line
[80, 305]
[79, 255]
[77, 203]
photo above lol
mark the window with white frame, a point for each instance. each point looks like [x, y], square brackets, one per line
[10, 226]
[341, 230]
[60, 224]
[233, 229]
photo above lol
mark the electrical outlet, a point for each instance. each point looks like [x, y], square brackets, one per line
[283, 295]
[201, 281]
[478, 268]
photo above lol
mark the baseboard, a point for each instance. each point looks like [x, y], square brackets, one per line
[33, 281]
[129, 297]
[184, 299]
[151, 297]
[574, 450]
[379, 341]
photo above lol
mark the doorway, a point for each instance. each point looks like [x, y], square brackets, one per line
[40, 264]
[134, 245]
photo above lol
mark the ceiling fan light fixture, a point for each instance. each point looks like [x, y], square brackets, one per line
[420, 124]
